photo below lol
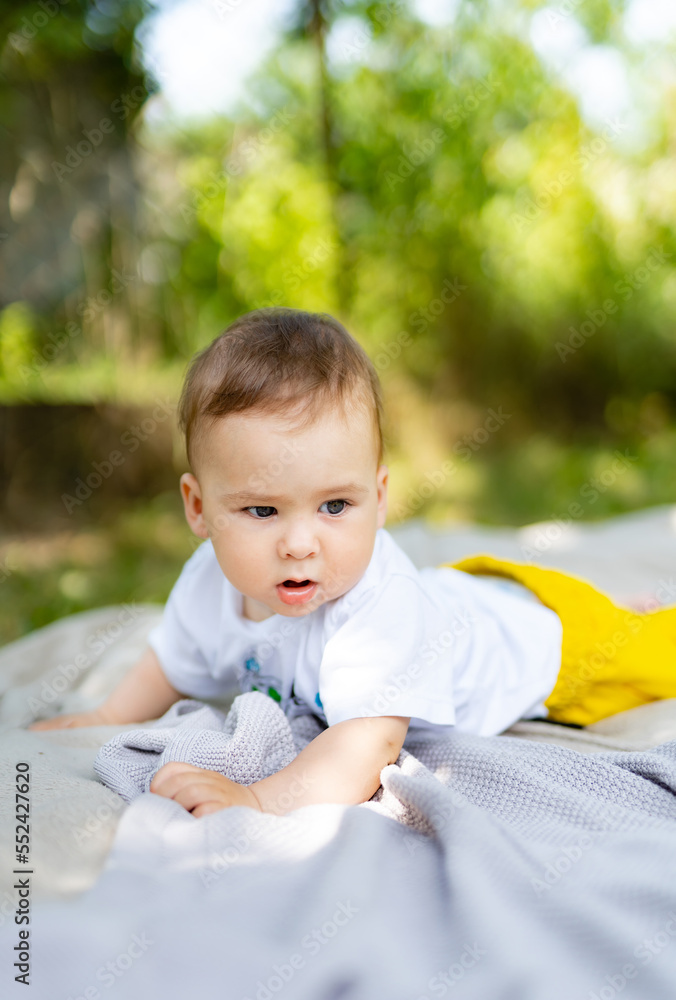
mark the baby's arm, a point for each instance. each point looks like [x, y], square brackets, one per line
[342, 765]
[144, 693]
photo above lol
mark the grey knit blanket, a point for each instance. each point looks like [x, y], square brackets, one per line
[485, 868]
[253, 741]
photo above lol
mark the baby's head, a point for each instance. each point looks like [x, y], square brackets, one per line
[282, 417]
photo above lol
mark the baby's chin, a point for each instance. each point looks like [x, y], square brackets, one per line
[257, 610]
[321, 598]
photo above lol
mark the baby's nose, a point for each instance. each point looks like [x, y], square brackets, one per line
[298, 541]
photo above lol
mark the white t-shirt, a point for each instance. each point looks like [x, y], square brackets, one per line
[441, 646]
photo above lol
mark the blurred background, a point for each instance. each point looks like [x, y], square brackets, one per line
[484, 192]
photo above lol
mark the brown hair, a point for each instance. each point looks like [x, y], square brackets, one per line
[277, 360]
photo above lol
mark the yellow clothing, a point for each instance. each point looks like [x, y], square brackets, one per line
[612, 658]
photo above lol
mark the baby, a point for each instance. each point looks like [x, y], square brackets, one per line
[299, 592]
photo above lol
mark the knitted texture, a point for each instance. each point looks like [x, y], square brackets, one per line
[553, 866]
[253, 741]
[515, 780]
[612, 659]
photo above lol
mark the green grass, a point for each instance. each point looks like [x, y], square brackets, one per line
[135, 557]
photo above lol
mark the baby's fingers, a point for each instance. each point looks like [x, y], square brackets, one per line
[58, 722]
[164, 780]
[189, 789]
[206, 808]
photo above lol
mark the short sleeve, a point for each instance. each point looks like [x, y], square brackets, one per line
[392, 655]
[186, 641]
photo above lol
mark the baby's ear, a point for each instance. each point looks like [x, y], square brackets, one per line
[192, 504]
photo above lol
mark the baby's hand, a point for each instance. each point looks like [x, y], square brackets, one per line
[95, 718]
[200, 791]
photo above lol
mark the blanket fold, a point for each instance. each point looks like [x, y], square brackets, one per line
[507, 860]
[251, 742]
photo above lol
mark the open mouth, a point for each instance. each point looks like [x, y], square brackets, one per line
[297, 591]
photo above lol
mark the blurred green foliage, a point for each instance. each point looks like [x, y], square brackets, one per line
[436, 187]
[134, 556]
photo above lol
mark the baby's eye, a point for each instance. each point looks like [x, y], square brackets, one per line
[261, 512]
[334, 506]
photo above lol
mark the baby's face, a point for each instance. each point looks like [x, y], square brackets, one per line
[292, 513]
